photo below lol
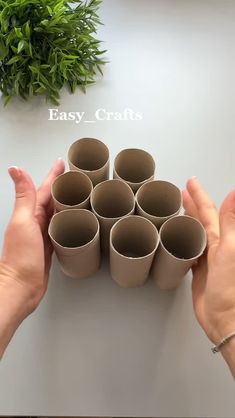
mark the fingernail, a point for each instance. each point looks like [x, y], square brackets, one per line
[14, 172]
[59, 160]
[194, 177]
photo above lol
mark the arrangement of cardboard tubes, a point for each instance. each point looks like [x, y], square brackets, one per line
[132, 219]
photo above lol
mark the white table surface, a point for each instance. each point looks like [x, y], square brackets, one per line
[93, 348]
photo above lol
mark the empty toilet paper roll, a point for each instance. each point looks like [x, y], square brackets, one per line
[182, 241]
[75, 237]
[133, 243]
[134, 166]
[91, 156]
[158, 201]
[71, 190]
[110, 201]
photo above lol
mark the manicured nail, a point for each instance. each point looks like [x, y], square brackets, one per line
[14, 172]
[59, 160]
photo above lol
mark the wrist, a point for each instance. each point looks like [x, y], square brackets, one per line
[13, 311]
[221, 331]
[16, 303]
[24, 298]
[228, 352]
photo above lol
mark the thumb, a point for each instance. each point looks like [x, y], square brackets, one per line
[25, 193]
[227, 217]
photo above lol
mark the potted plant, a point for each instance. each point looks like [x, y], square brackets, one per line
[46, 45]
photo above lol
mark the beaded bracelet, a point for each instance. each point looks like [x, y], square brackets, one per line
[224, 341]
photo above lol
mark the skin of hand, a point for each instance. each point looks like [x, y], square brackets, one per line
[27, 251]
[213, 285]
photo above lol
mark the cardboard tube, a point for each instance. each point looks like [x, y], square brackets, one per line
[158, 201]
[75, 236]
[134, 166]
[110, 201]
[133, 242]
[182, 241]
[90, 156]
[71, 190]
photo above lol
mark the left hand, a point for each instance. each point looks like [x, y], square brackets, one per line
[27, 250]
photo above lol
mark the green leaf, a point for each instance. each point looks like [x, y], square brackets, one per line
[27, 29]
[74, 85]
[18, 32]
[3, 50]
[33, 69]
[71, 56]
[14, 49]
[53, 100]
[13, 21]
[13, 60]
[12, 38]
[4, 20]
[58, 5]
[6, 100]
[83, 87]
[41, 89]
[20, 46]
[30, 49]
[65, 75]
[30, 90]
[99, 69]
[53, 69]
[44, 22]
[49, 10]
[82, 69]
[42, 78]
[16, 85]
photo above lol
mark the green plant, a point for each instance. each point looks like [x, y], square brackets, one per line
[46, 44]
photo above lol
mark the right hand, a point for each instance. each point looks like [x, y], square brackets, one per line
[213, 285]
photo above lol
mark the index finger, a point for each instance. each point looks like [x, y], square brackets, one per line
[207, 212]
[44, 191]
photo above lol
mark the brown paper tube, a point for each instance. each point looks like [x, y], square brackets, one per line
[75, 236]
[91, 156]
[134, 166]
[71, 190]
[110, 201]
[182, 241]
[158, 201]
[133, 242]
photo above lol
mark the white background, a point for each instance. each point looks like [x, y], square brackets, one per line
[93, 348]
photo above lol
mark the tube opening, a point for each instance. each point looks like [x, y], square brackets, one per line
[112, 199]
[183, 237]
[134, 165]
[88, 154]
[134, 237]
[159, 198]
[73, 228]
[72, 188]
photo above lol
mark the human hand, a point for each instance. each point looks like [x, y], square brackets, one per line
[27, 251]
[213, 285]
